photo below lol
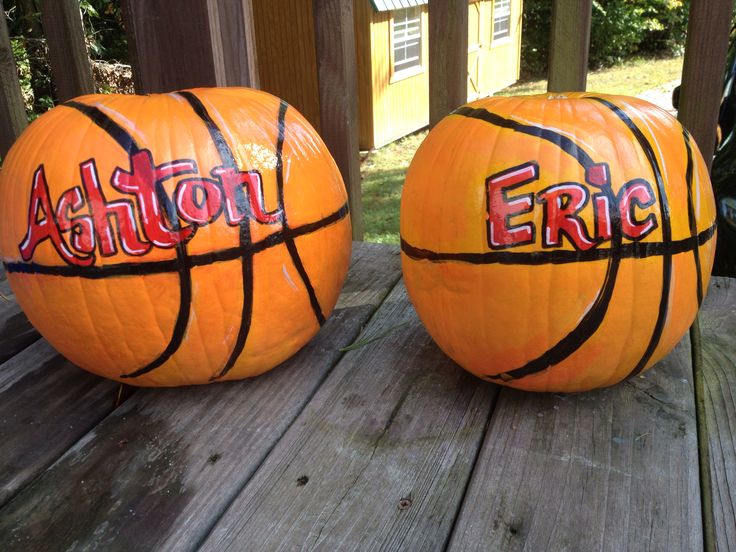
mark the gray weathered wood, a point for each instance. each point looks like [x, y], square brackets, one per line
[613, 469]
[179, 44]
[231, 29]
[12, 111]
[718, 325]
[395, 420]
[337, 78]
[70, 65]
[448, 57]
[158, 472]
[703, 71]
[46, 405]
[569, 45]
[16, 332]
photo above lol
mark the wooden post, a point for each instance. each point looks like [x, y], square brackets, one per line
[569, 45]
[177, 44]
[70, 67]
[337, 77]
[448, 57]
[12, 111]
[700, 100]
[703, 71]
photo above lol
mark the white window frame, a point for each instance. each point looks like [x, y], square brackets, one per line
[418, 67]
[508, 13]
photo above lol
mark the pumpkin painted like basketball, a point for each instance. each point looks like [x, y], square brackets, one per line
[557, 243]
[176, 238]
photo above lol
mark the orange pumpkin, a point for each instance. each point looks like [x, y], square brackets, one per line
[176, 238]
[557, 243]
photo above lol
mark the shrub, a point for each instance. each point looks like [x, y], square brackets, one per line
[619, 28]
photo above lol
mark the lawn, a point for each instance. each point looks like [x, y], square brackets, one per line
[382, 170]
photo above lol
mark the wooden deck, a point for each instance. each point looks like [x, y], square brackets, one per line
[387, 446]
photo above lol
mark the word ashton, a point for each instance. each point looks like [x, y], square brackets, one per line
[85, 222]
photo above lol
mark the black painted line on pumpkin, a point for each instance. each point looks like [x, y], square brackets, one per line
[163, 267]
[592, 319]
[247, 313]
[664, 210]
[289, 240]
[228, 159]
[559, 140]
[689, 178]
[103, 120]
[128, 143]
[633, 250]
[182, 318]
[223, 149]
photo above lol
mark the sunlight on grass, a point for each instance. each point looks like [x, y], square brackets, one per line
[382, 171]
[630, 78]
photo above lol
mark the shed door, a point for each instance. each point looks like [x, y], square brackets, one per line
[475, 49]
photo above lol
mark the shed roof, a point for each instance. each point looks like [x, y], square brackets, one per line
[387, 5]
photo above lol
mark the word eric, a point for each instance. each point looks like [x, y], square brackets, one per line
[196, 200]
[562, 206]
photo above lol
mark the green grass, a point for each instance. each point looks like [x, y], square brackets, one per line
[630, 78]
[383, 170]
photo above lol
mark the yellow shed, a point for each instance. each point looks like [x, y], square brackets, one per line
[391, 42]
[392, 58]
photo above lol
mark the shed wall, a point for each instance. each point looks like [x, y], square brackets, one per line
[287, 59]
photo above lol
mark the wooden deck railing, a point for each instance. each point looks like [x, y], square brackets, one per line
[184, 43]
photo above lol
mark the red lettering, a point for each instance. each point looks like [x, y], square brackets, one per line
[602, 217]
[81, 227]
[144, 181]
[101, 211]
[236, 206]
[42, 225]
[562, 204]
[633, 194]
[198, 200]
[501, 208]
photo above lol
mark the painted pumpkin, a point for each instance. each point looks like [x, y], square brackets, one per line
[557, 243]
[176, 238]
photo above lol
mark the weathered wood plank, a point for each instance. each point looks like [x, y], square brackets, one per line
[70, 65]
[158, 472]
[380, 457]
[46, 405]
[569, 45]
[718, 325]
[448, 57]
[233, 39]
[16, 332]
[12, 111]
[179, 44]
[613, 469]
[337, 77]
[703, 71]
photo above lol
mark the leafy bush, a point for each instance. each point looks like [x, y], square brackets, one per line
[104, 35]
[619, 28]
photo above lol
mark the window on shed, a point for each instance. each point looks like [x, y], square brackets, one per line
[501, 19]
[406, 38]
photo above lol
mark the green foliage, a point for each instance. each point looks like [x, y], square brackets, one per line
[104, 36]
[619, 29]
[103, 24]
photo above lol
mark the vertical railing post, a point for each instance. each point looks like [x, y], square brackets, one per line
[700, 99]
[703, 71]
[177, 44]
[337, 77]
[12, 111]
[569, 45]
[448, 57]
[70, 65]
